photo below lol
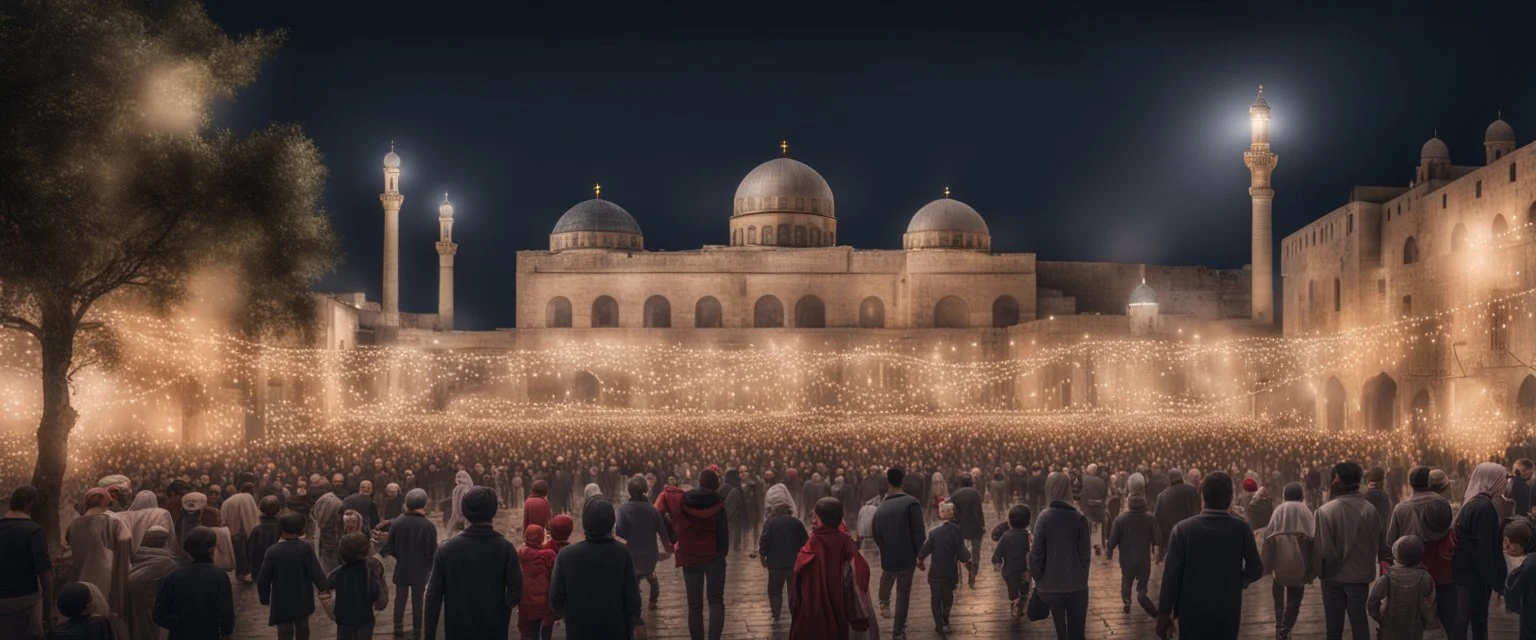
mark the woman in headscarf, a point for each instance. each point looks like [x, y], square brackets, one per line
[462, 483]
[1478, 566]
[198, 513]
[144, 514]
[778, 497]
[241, 516]
[1287, 553]
[1136, 483]
[938, 487]
[328, 526]
[152, 561]
[101, 549]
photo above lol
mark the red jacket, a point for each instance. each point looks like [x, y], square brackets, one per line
[536, 511]
[537, 563]
[670, 502]
[699, 529]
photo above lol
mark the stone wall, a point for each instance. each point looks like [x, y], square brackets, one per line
[1105, 287]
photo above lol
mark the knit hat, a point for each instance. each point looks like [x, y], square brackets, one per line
[156, 536]
[597, 517]
[479, 505]
[1408, 550]
[416, 499]
[533, 536]
[73, 599]
[560, 527]
[1250, 485]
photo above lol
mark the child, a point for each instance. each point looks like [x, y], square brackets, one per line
[354, 589]
[1520, 588]
[266, 533]
[1135, 533]
[195, 601]
[537, 562]
[1403, 600]
[1011, 557]
[289, 577]
[779, 545]
[560, 528]
[79, 623]
[947, 547]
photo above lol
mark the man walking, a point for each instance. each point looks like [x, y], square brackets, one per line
[900, 535]
[26, 576]
[970, 516]
[1348, 547]
[1212, 557]
[476, 576]
[413, 542]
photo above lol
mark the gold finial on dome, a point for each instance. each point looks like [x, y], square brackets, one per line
[784, 147]
[946, 191]
[597, 190]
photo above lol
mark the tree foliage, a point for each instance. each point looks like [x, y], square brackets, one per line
[113, 187]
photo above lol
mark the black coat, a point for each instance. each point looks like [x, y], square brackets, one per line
[1520, 492]
[969, 513]
[195, 602]
[413, 542]
[947, 547]
[353, 593]
[363, 505]
[780, 543]
[1212, 557]
[899, 532]
[1178, 502]
[593, 589]
[290, 574]
[1479, 558]
[1134, 533]
[477, 578]
[1012, 553]
[262, 538]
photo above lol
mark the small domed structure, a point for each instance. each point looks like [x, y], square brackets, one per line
[783, 202]
[596, 224]
[445, 210]
[1143, 295]
[391, 161]
[1435, 149]
[1142, 310]
[947, 223]
[1498, 140]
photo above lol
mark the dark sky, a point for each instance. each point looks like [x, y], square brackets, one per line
[1111, 134]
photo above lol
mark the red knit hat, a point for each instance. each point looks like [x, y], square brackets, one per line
[1250, 485]
[560, 527]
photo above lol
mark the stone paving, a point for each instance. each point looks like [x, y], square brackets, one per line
[979, 613]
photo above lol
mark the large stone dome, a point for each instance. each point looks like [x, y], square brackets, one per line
[947, 214]
[1499, 131]
[597, 215]
[1435, 149]
[784, 185]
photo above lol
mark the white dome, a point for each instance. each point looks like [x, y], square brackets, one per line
[947, 214]
[1435, 149]
[391, 161]
[783, 184]
[1499, 131]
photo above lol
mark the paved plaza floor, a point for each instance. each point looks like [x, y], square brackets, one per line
[979, 613]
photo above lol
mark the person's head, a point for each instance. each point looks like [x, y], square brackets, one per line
[1408, 550]
[1175, 476]
[354, 548]
[1018, 516]
[946, 510]
[1517, 537]
[533, 535]
[540, 488]
[1438, 481]
[479, 504]
[391, 490]
[23, 498]
[1418, 478]
[1216, 491]
[637, 487]
[1250, 485]
[73, 599]
[156, 537]
[709, 480]
[1376, 477]
[1294, 492]
[365, 488]
[894, 476]
[1523, 468]
[416, 500]
[269, 505]
[194, 501]
[291, 524]
[829, 511]
[1058, 487]
[560, 528]
[98, 498]
[597, 517]
[1346, 476]
[351, 521]
[199, 543]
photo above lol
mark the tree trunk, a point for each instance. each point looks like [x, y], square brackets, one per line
[59, 416]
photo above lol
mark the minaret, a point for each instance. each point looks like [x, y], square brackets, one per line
[1261, 163]
[389, 314]
[445, 250]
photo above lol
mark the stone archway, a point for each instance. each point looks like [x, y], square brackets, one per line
[951, 313]
[871, 313]
[1005, 311]
[1421, 413]
[605, 312]
[768, 313]
[658, 312]
[810, 313]
[585, 388]
[707, 313]
[1334, 405]
[1379, 401]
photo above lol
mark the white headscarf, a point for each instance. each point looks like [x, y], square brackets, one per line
[939, 486]
[143, 515]
[1489, 478]
[778, 495]
[240, 513]
[1292, 517]
[461, 485]
[1136, 483]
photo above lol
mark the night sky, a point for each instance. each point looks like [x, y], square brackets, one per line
[1113, 135]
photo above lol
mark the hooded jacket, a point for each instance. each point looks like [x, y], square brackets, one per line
[537, 564]
[1134, 533]
[593, 586]
[1059, 557]
[703, 534]
[477, 579]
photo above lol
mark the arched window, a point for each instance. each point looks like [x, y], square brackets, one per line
[951, 313]
[605, 312]
[768, 235]
[1336, 303]
[1458, 238]
[707, 314]
[1410, 251]
[1500, 227]
[736, 237]
[815, 237]
[752, 235]
[557, 314]
[800, 236]
[658, 313]
[871, 313]
[1005, 311]
[768, 313]
[810, 313]
[785, 237]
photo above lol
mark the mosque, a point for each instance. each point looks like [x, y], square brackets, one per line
[780, 277]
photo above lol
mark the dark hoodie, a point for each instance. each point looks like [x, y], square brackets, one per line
[703, 534]
[1177, 503]
[477, 578]
[1135, 532]
[593, 587]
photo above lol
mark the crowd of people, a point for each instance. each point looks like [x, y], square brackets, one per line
[1392, 529]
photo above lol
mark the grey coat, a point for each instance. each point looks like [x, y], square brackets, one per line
[640, 526]
[1061, 553]
[1349, 540]
[1134, 533]
[1409, 593]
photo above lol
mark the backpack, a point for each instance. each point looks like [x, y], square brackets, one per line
[1291, 561]
[866, 522]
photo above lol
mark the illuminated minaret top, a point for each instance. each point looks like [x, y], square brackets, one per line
[445, 252]
[389, 314]
[1261, 164]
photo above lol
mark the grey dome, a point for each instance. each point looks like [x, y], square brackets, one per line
[1435, 149]
[1143, 294]
[784, 178]
[1499, 131]
[597, 215]
[947, 214]
[391, 161]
